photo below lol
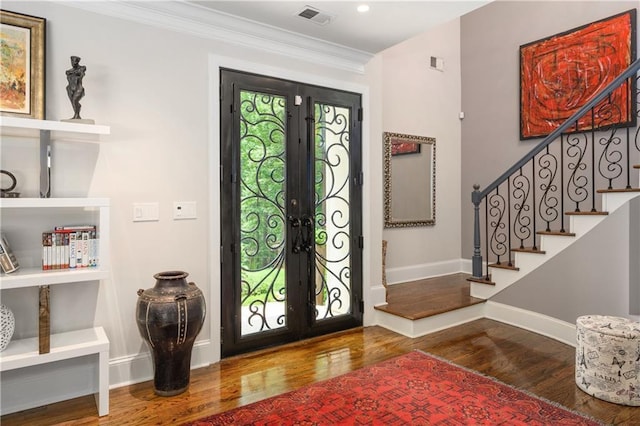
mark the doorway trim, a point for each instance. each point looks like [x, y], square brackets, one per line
[216, 62]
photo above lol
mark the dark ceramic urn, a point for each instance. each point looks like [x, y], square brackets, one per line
[170, 316]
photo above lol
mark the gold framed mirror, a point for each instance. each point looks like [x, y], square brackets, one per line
[409, 180]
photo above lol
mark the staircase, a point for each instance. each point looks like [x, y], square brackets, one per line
[550, 198]
[542, 205]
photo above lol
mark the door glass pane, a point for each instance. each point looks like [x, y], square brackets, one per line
[332, 217]
[262, 217]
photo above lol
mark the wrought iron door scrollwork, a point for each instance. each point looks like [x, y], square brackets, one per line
[262, 199]
[331, 235]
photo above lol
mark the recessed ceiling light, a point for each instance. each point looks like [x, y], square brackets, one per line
[363, 8]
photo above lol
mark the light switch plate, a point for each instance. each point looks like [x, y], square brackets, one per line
[146, 212]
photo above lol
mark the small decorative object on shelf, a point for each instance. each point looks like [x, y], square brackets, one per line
[7, 326]
[75, 89]
[170, 316]
[8, 191]
[8, 261]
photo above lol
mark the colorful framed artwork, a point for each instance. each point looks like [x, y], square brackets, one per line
[561, 73]
[404, 144]
[22, 76]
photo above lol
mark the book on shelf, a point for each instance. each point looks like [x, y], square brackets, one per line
[70, 247]
[8, 261]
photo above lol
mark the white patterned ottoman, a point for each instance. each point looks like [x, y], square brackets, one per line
[608, 358]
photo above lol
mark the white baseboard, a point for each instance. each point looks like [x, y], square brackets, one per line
[466, 266]
[138, 368]
[426, 270]
[538, 323]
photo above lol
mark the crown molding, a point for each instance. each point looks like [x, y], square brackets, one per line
[199, 21]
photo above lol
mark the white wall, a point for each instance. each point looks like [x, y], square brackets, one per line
[421, 101]
[154, 88]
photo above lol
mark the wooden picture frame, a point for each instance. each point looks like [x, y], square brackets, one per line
[22, 80]
[561, 73]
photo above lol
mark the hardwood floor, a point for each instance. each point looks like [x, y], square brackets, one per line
[523, 359]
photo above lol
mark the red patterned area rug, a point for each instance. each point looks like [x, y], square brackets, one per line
[412, 389]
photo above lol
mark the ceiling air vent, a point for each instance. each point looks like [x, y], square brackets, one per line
[316, 16]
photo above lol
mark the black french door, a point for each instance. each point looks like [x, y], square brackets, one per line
[291, 204]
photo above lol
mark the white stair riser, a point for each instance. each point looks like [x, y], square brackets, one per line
[554, 244]
[527, 262]
[482, 291]
[503, 278]
[613, 200]
[424, 326]
[581, 224]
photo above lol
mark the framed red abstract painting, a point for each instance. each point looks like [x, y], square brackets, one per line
[401, 146]
[561, 73]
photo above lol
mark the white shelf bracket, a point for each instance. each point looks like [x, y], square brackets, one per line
[45, 163]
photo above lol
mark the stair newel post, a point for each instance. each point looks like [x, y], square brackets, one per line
[476, 262]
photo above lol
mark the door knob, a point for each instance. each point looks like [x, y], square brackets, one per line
[294, 221]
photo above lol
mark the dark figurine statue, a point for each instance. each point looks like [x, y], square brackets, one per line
[75, 90]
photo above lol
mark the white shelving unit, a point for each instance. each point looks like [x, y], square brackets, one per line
[24, 353]
[31, 128]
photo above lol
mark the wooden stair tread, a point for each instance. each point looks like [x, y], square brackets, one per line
[528, 250]
[481, 280]
[428, 297]
[589, 213]
[560, 233]
[614, 190]
[505, 265]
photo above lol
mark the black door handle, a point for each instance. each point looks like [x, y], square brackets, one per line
[294, 221]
